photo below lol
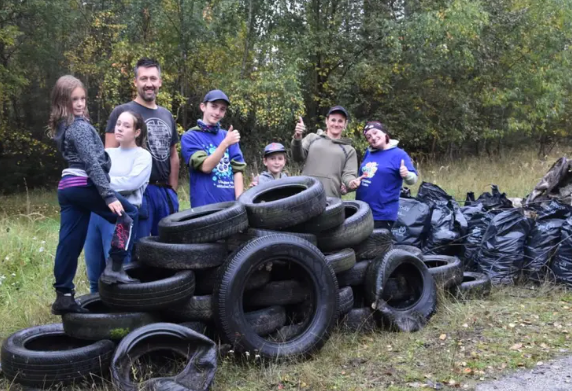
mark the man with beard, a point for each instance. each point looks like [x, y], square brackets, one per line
[160, 197]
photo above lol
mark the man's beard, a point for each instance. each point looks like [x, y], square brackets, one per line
[147, 98]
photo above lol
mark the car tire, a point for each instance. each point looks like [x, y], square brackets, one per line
[341, 261]
[355, 276]
[474, 286]
[332, 217]
[446, 270]
[376, 244]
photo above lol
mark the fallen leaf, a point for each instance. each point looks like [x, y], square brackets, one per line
[511, 325]
[468, 370]
[443, 337]
[516, 346]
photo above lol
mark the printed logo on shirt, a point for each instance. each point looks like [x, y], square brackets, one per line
[370, 169]
[159, 138]
[222, 173]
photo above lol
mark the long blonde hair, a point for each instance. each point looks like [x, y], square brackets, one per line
[61, 102]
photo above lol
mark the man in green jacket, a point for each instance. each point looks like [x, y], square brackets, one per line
[328, 157]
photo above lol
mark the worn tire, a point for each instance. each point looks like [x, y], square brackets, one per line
[284, 203]
[358, 320]
[319, 278]
[277, 293]
[41, 356]
[341, 261]
[346, 300]
[158, 289]
[474, 286]
[197, 308]
[332, 217]
[419, 282]
[446, 270]
[376, 244]
[103, 322]
[206, 280]
[150, 251]
[411, 249]
[199, 352]
[357, 226]
[288, 332]
[355, 276]
[267, 320]
[204, 224]
[237, 240]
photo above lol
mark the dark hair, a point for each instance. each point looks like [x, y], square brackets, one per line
[146, 62]
[139, 123]
[61, 108]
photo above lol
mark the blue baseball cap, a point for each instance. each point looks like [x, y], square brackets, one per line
[339, 109]
[213, 95]
[273, 148]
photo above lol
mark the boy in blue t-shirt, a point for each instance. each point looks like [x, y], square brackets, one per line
[213, 155]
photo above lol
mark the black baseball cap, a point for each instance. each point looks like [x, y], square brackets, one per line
[339, 109]
[273, 148]
[213, 95]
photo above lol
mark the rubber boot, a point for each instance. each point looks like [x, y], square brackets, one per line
[65, 303]
[114, 273]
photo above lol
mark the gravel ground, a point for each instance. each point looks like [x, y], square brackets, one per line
[551, 376]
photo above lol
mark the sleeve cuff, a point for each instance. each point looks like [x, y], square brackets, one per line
[237, 166]
[411, 178]
[197, 159]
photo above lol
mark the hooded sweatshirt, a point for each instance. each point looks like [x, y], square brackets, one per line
[331, 161]
[381, 188]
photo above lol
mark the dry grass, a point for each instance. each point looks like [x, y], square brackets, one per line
[463, 343]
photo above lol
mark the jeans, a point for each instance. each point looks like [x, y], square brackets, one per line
[97, 246]
[158, 202]
[77, 203]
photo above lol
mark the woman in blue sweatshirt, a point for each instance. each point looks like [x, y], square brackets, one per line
[383, 170]
[84, 188]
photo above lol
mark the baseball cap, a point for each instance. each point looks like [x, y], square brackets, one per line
[339, 109]
[274, 147]
[213, 95]
[374, 125]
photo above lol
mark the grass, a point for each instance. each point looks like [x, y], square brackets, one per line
[464, 343]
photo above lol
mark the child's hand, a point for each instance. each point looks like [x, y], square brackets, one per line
[232, 137]
[116, 207]
[300, 129]
[254, 181]
[403, 171]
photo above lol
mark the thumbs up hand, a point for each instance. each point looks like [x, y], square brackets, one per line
[232, 137]
[403, 171]
[300, 129]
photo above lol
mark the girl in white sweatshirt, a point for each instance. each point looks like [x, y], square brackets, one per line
[129, 176]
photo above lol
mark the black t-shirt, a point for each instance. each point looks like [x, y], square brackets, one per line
[161, 136]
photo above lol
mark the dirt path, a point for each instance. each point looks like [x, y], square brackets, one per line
[551, 376]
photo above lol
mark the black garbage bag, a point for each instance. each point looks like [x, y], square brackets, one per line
[543, 239]
[470, 199]
[562, 263]
[405, 192]
[448, 224]
[413, 222]
[496, 200]
[501, 255]
[476, 227]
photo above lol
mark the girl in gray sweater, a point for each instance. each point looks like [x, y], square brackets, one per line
[83, 189]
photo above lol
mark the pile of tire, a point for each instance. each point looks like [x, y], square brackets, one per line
[272, 275]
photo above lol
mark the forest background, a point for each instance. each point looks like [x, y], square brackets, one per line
[449, 77]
